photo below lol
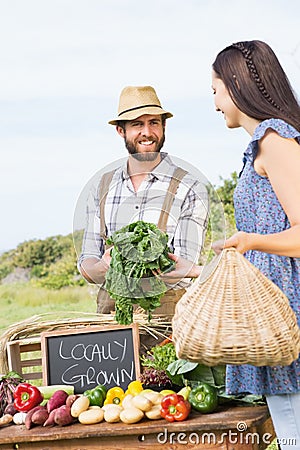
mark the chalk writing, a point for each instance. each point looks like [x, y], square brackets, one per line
[91, 377]
[108, 356]
[94, 352]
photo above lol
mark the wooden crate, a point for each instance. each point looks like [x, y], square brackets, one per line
[24, 357]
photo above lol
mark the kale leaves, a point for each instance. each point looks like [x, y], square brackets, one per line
[138, 249]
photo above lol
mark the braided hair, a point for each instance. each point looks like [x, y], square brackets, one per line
[257, 83]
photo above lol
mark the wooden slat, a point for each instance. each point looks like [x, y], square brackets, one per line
[31, 362]
[18, 349]
[26, 348]
[14, 357]
[144, 435]
[33, 376]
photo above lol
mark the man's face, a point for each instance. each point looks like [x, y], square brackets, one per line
[144, 136]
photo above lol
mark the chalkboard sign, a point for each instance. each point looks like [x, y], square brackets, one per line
[84, 358]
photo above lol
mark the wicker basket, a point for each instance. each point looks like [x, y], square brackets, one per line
[235, 316]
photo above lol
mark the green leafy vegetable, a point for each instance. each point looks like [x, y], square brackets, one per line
[155, 365]
[193, 373]
[159, 357]
[138, 249]
[8, 384]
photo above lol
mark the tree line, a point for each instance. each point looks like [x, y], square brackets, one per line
[52, 262]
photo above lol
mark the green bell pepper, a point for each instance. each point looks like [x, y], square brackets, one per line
[96, 396]
[204, 398]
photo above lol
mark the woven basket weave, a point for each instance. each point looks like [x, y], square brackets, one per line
[235, 316]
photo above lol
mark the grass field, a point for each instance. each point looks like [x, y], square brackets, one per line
[21, 301]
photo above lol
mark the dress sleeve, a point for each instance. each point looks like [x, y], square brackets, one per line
[281, 127]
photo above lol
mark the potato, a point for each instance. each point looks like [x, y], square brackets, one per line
[91, 416]
[50, 422]
[19, 418]
[63, 416]
[39, 417]
[131, 415]
[58, 399]
[154, 413]
[71, 399]
[112, 413]
[28, 421]
[142, 403]
[81, 404]
[5, 420]
[154, 397]
[127, 401]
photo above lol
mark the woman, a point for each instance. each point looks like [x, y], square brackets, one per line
[252, 91]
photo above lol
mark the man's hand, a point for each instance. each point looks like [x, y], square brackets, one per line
[94, 270]
[183, 269]
[106, 258]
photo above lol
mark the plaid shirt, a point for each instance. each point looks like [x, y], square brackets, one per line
[187, 219]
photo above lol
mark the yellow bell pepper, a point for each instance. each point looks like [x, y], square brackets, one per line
[114, 396]
[134, 388]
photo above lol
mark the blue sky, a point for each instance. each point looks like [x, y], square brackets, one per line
[63, 65]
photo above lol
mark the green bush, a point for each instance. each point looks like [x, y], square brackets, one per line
[62, 273]
[41, 252]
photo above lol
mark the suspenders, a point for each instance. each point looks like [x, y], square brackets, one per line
[177, 176]
[106, 179]
[103, 191]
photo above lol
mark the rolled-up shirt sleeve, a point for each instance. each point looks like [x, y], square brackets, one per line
[92, 243]
[192, 223]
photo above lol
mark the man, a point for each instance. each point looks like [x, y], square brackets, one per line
[148, 187]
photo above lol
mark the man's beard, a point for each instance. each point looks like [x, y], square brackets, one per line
[145, 156]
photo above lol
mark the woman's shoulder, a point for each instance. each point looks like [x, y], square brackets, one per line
[281, 127]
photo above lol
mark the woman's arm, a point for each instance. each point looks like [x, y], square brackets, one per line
[279, 159]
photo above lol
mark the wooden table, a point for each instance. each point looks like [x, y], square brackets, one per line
[230, 428]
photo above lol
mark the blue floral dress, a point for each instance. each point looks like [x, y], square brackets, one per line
[257, 210]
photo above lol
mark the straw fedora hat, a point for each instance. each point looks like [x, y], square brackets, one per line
[136, 101]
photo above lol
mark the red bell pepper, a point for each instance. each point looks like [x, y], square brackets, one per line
[174, 408]
[26, 397]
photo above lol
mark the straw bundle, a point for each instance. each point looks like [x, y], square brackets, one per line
[236, 316]
[159, 327]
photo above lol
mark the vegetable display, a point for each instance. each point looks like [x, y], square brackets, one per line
[138, 249]
[130, 407]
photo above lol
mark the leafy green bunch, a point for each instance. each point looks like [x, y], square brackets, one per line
[139, 249]
[159, 357]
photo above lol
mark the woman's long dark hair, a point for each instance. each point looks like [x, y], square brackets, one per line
[257, 83]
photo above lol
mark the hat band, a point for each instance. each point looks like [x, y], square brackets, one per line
[138, 107]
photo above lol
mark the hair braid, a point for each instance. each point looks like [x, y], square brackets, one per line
[246, 52]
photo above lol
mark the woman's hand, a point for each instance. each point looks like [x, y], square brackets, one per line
[241, 241]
